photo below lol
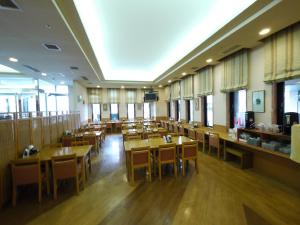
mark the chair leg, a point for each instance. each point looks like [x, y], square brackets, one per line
[40, 191]
[219, 152]
[54, 188]
[175, 169]
[209, 149]
[149, 171]
[132, 175]
[77, 184]
[14, 196]
[196, 166]
[183, 167]
[159, 170]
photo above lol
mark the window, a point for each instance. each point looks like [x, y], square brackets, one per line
[8, 103]
[292, 96]
[208, 111]
[130, 111]
[238, 108]
[147, 110]
[189, 110]
[114, 111]
[96, 116]
[62, 100]
[169, 109]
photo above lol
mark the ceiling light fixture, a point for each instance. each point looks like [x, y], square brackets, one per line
[144, 87]
[183, 74]
[209, 60]
[44, 74]
[122, 87]
[62, 82]
[160, 85]
[12, 59]
[264, 31]
[169, 81]
[98, 86]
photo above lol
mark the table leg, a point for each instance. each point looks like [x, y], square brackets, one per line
[128, 167]
[47, 177]
[83, 171]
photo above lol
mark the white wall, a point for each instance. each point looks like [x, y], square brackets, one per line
[81, 106]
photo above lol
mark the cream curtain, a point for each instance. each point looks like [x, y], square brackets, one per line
[167, 93]
[140, 96]
[94, 95]
[113, 95]
[203, 82]
[131, 96]
[235, 76]
[282, 55]
[188, 87]
[175, 90]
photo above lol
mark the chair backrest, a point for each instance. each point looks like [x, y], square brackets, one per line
[108, 125]
[118, 125]
[191, 134]
[140, 156]
[189, 149]
[176, 129]
[67, 140]
[64, 166]
[167, 152]
[26, 171]
[214, 139]
[79, 143]
[91, 139]
[173, 134]
[200, 136]
[181, 131]
[133, 137]
[163, 133]
[153, 135]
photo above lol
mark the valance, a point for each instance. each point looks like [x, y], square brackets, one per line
[203, 82]
[94, 95]
[113, 95]
[175, 90]
[188, 87]
[131, 96]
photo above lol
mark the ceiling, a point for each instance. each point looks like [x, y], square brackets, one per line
[24, 31]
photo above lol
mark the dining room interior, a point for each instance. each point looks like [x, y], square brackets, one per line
[149, 112]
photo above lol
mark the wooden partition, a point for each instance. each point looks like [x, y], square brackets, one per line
[16, 134]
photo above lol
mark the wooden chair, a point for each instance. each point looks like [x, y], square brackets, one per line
[181, 131]
[163, 133]
[189, 152]
[214, 142]
[200, 137]
[176, 130]
[192, 134]
[67, 140]
[167, 155]
[118, 127]
[173, 134]
[64, 167]
[26, 171]
[79, 143]
[140, 158]
[92, 140]
[154, 135]
[133, 137]
[109, 127]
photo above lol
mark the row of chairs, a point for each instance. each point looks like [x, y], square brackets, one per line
[167, 154]
[89, 139]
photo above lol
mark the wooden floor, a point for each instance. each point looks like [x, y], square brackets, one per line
[220, 194]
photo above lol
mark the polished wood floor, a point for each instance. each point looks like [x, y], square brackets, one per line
[220, 194]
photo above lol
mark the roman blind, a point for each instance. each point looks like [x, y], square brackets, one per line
[94, 95]
[175, 90]
[140, 96]
[131, 96]
[113, 95]
[203, 82]
[282, 55]
[188, 87]
[235, 75]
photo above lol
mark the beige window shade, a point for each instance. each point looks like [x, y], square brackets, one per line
[175, 90]
[94, 95]
[140, 96]
[188, 87]
[113, 95]
[131, 96]
[235, 76]
[282, 55]
[167, 93]
[203, 82]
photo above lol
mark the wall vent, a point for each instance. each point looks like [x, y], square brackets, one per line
[52, 47]
[32, 68]
[74, 67]
[84, 78]
[9, 5]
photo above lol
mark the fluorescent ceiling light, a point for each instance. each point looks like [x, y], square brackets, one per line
[144, 87]
[6, 69]
[209, 60]
[140, 40]
[44, 74]
[264, 31]
[62, 82]
[169, 81]
[183, 74]
[160, 86]
[12, 59]
[122, 87]
[98, 86]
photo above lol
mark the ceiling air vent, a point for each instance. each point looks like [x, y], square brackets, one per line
[231, 49]
[32, 68]
[84, 78]
[74, 68]
[52, 47]
[8, 4]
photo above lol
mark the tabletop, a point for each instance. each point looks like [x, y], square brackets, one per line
[81, 134]
[154, 142]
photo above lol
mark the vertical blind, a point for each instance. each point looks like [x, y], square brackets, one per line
[131, 96]
[203, 82]
[188, 87]
[282, 55]
[175, 90]
[94, 95]
[235, 76]
[113, 95]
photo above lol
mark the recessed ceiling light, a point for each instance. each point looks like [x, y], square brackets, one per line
[44, 74]
[169, 81]
[144, 87]
[209, 60]
[183, 74]
[122, 87]
[160, 86]
[12, 59]
[62, 82]
[98, 86]
[264, 31]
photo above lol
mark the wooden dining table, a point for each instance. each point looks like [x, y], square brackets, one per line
[153, 143]
[82, 152]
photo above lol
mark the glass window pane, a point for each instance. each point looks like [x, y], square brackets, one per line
[146, 110]
[28, 103]
[114, 112]
[51, 103]
[43, 102]
[191, 110]
[62, 89]
[209, 113]
[130, 110]
[240, 106]
[96, 113]
[62, 103]
[8, 103]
